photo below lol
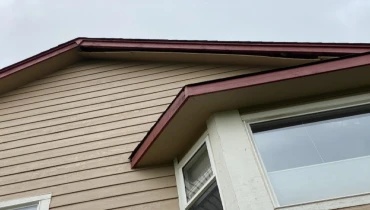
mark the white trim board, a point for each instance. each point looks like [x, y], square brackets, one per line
[240, 182]
[43, 202]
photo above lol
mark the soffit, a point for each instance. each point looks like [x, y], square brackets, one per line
[38, 70]
[204, 58]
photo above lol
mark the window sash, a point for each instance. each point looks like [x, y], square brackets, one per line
[179, 165]
[191, 188]
[25, 206]
[209, 200]
[200, 192]
[294, 111]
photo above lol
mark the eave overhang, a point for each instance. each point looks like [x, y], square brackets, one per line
[225, 47]
[289, 49]
[68, 53]
[186, 116]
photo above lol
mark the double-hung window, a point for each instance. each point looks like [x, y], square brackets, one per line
[196, 179]
[316, 156]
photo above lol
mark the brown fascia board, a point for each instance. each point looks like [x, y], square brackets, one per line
[245, 81]
[4, 72]
[228, 47]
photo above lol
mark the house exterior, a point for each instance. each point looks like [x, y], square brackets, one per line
[159, 124]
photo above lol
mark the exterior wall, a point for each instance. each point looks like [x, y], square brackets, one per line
[364, 207]
[70, 134]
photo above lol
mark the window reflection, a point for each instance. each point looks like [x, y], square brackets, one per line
[317, 156]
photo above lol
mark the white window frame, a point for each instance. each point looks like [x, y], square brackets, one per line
[299, 110]
[42, 201]
[179, 165]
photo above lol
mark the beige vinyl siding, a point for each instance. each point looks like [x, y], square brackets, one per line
[362, 207]
[71, 133]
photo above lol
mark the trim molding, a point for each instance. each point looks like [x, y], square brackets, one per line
[43, 202]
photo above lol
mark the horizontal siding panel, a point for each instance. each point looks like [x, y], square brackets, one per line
[70, 146]
[123, 200]
[74, 102]
[87, 65]
[70, 118]
[61, 148]
[85, 106]
[67, 178]
[64, 169]
[81, 131]
[145, 126]
[170, 204]
[84, 70]
[128, 75]
[113, 180]
[79, 95]
[72, 132]
[102, 68]
[104, 76]
[362, 207]
[109, 83]
[82, 76]
[12, 117]
[87, 122]
[52, 162]
[84, 185]
[115, 190]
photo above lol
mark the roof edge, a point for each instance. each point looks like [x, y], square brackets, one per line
[242, 81]
[224, 46]
[230, 47]
[4, 72]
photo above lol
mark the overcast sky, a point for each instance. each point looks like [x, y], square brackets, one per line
[28, 27]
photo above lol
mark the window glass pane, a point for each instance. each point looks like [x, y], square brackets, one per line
[319, 156]
[286, 148]
[324, 181]
[34, 207]
[342, 138]
[197, 172]
[210, 200]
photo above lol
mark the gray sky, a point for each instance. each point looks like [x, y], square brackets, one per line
[28, 27]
